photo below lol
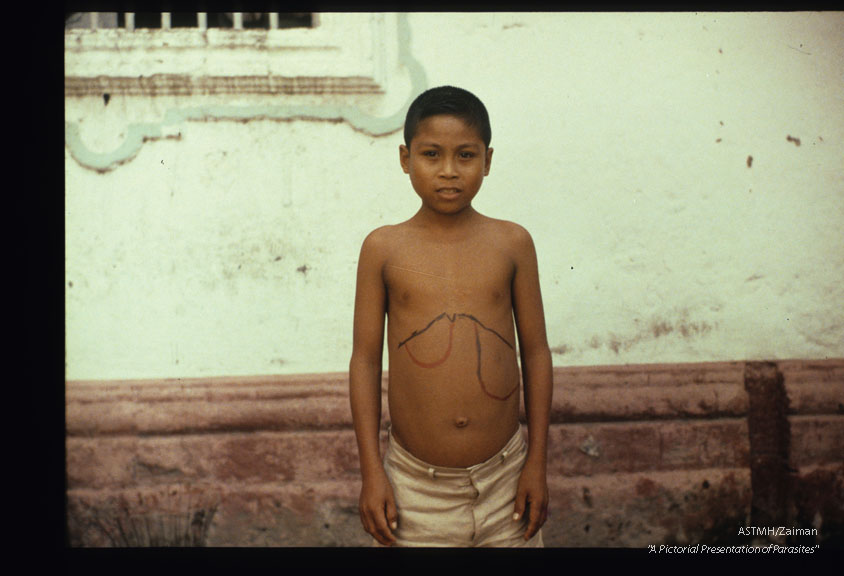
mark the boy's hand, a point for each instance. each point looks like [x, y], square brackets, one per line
[532, 495]
[378, 509]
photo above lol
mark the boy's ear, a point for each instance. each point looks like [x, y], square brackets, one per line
[404, 158]
[488, 161]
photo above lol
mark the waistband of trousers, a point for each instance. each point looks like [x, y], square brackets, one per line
[403, 457]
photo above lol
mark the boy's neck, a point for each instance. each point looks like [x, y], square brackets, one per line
[446, 222]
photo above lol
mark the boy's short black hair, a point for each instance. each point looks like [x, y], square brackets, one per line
[453, 102]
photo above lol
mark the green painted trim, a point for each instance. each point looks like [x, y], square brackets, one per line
[138, 134]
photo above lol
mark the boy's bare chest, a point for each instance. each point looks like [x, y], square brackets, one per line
[424, 276]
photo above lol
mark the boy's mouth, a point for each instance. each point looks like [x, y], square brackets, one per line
[448, 192]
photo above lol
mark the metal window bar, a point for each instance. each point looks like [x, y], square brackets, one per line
[130, 23]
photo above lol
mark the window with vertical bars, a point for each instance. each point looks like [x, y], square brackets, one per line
[206, 53]
[199, 20]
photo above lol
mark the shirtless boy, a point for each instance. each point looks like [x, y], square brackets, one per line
[456, 288]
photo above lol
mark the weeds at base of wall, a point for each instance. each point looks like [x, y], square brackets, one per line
[166, 517]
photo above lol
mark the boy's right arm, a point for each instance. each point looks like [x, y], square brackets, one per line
[377, 503]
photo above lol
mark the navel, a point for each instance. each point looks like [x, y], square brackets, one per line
[461, 422]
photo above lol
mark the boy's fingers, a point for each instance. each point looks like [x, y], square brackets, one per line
[381, 534]
[384, 536]
[383, 539]
[364, 519]
[533, 524]
[382, 527]
[538, 515]
[519, 508]
[392, 515]
[375, 524]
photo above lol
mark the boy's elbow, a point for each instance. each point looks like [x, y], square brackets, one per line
[360, 362]
[535, 348]
[538, 356]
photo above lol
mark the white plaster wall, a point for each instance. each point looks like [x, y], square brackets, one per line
[621, 142]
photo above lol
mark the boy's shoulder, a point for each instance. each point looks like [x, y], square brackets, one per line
[379, 242]
[389, 233]
[507, 226]
[511, 232]
[382, 235]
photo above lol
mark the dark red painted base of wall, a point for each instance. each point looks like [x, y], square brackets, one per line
[638, 455]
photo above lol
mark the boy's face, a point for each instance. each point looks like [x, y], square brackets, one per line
[446, 161]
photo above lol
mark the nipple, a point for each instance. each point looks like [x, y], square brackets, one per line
[461, 422]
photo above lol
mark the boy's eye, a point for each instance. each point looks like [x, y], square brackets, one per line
[429, 153]
[467, 155]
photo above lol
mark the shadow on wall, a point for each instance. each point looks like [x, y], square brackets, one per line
[638, 456]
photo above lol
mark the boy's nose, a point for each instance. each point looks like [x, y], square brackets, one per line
[447, 168]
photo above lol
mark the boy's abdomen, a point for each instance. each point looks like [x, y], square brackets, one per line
[454, 389]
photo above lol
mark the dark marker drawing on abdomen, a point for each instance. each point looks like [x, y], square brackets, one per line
[452, 319]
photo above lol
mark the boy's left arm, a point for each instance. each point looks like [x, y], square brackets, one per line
[537, 377]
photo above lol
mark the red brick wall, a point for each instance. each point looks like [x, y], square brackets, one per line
[638, 455]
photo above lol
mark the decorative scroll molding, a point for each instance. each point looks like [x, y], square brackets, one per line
[353, 65]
